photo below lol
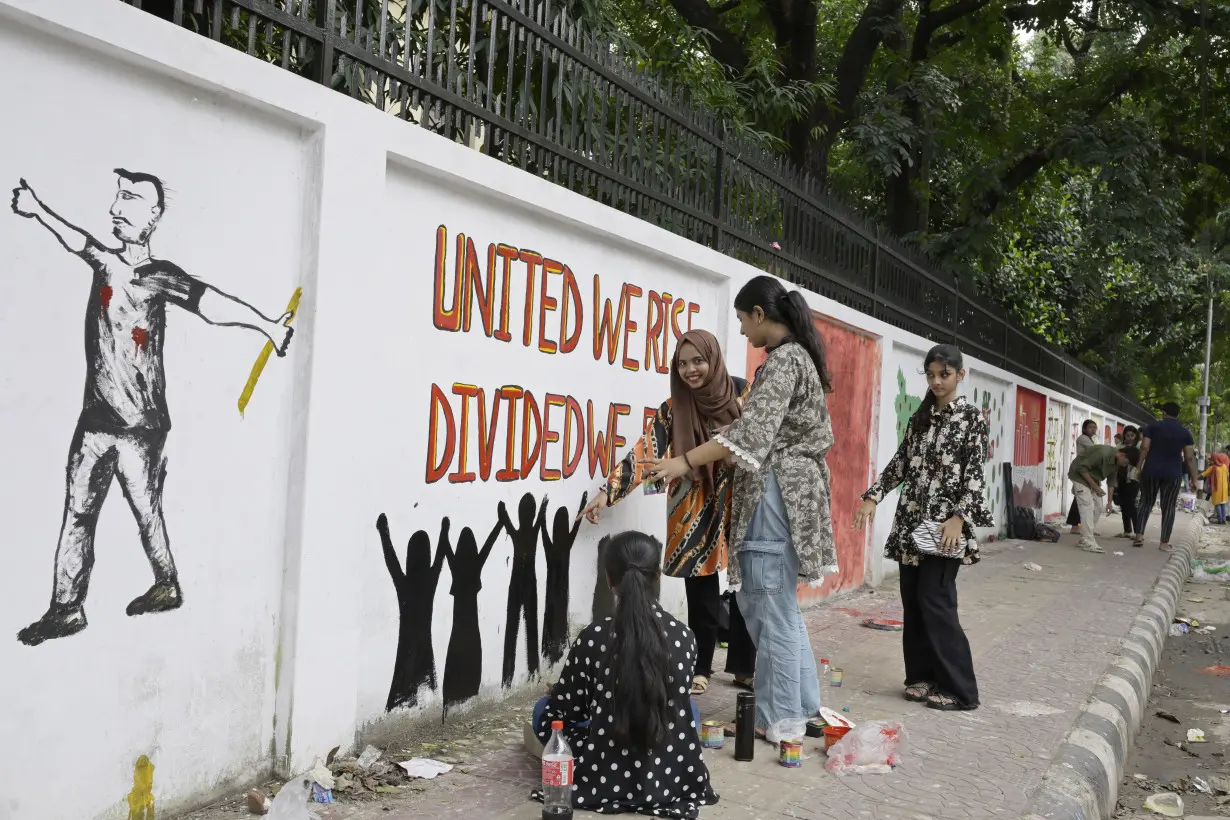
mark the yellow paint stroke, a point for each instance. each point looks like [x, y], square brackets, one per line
[141, 798]
[259, 366]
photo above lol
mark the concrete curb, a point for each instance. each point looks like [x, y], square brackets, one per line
[1082, 782]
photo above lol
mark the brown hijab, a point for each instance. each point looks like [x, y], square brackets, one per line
[713, 405]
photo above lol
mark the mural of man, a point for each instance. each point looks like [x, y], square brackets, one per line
[124, 419]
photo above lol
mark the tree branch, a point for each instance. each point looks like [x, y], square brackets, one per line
[851, 74]
[1217, 162]
[724, 45]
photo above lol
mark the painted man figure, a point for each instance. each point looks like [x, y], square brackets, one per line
[124, 419]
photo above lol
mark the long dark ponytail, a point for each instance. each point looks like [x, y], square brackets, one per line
[788, 308]
[639, 658]
[949, 356]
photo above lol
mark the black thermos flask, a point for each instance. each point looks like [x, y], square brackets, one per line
[745, 726]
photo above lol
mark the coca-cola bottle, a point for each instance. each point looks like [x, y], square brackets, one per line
[557, 771]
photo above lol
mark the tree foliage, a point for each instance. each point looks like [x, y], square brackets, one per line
[1050, 149]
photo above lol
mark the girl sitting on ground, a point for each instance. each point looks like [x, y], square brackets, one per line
[623, 698]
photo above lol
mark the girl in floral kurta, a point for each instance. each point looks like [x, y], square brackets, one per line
[781, 531]
[939, 467]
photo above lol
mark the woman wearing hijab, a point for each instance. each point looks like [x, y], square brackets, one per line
[704, 398]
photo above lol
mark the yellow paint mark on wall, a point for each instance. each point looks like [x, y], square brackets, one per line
[259, 366]
[141, 798]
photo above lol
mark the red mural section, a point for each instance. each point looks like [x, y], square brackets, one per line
[854, 361]
[1030, 450]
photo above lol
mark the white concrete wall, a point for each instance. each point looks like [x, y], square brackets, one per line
[286, 643]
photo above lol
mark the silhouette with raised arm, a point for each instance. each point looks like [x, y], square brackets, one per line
[463, 666]
[522, 585]
[124, 421]
[415, 664]
[558, 549]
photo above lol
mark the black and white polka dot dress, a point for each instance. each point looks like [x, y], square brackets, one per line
[670, 781]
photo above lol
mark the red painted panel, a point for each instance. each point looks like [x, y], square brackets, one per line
[854, 361]
[1030, 428]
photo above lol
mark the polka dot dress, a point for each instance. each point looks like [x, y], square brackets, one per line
[669, 781]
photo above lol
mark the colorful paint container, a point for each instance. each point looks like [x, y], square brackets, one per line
[712, 734]
[835, 676]
[790, 753]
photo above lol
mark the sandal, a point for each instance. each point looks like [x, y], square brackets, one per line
[745, 682]
[729, 731]
[700, 685]
[1165, 547]
[919, 692]
[1125, 535]
[1138, 541]
[947, 703]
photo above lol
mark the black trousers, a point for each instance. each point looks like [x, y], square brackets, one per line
[704, 612]
[935, 647]
[1150, 489]
[1127, 495]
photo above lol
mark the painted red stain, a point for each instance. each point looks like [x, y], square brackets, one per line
[141, 337]
[854, 360]
[105, 294]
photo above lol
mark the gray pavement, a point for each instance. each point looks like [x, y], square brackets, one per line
[1041, 641]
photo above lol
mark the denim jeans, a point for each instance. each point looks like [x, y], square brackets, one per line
[540, 710]
[787, 686]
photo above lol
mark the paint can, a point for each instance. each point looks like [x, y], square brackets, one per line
[815, 727]
[835, 676]
[712, 734]
[790, 753]
[653, 487]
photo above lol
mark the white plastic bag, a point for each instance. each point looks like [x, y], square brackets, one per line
[292, 801]
[869, 748]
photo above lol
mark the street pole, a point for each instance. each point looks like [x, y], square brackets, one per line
[1204, 400]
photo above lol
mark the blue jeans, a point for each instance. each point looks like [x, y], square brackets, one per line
[540, 709]
[1221, 512]
[787, 686]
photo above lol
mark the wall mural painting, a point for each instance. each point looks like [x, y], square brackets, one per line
[508, 433]
[992, 407]
[557, 547]
[1054, 430]
[122, 430]
[463, 665]
[141, 798]
[415, 582]
[904, 406]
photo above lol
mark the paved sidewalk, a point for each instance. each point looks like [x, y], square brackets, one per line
[1041, 640]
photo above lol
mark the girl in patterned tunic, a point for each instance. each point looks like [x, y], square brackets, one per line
[623, 699]
[703, 397]
[939, 467]
[781, 530]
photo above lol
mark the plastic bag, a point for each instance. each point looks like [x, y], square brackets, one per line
[793, 730]
[292, 801]
[869, 748]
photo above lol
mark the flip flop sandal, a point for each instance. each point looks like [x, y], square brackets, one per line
[729, 731]
[919, 692]
[947, 703]
[700, 685]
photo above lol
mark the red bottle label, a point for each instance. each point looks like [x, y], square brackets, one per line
[556, 772]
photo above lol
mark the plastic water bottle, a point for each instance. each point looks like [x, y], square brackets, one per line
[557, 771]
[824, 671]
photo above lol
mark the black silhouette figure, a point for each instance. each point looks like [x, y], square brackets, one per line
[522, 585]
[557, 546]
[463, 666]
[415, 665]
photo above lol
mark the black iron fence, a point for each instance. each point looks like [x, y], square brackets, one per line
[522, 81]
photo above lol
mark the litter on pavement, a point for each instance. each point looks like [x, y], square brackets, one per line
[424, 767]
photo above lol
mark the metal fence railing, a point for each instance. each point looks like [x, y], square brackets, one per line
[521, 81]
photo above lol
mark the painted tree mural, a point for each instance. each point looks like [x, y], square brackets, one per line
[904, 406]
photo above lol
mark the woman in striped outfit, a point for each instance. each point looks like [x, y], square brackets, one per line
[704, 398]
